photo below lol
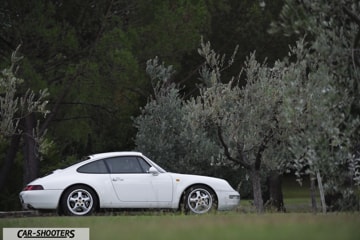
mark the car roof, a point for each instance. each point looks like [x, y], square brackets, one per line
[114, 154]
[97, 156]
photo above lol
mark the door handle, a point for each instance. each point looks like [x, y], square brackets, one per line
[115, 179]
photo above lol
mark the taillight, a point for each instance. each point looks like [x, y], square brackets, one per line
[33, 187]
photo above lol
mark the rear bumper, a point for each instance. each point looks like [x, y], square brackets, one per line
[40, 199]
[228, 200]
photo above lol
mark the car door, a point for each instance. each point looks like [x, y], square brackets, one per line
[133, 184]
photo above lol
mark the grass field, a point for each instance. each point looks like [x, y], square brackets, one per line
[297, 223]
[228, 225]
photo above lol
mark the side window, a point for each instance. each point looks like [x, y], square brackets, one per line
[144, 165]
[96, 167]
[124, 165]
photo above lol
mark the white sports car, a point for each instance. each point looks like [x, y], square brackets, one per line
[125, 180]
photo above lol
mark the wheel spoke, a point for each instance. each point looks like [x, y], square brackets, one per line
[86, 199]
[79, 202]
[205, 197]
[75, 208]
[194, 199]
[199, 201]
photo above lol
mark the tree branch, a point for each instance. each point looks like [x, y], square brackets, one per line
[352, 15]
[89, 104]
[227, 153]
[259, 156]
[356, 19]
[261, 150]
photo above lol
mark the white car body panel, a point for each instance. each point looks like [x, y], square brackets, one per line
[48, 199]
[144, 188]
[139, 190]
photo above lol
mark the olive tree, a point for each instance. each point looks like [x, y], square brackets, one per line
[297, 113]
[242, 120]
[293, 115]
[320, 114]
[163, 133]
[158, 124]
[15, 107]
[325, 146]
[12, 106]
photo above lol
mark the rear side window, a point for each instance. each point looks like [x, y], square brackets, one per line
[97, 167]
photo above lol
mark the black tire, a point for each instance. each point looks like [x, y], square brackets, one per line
[79, 200]
[200, 199]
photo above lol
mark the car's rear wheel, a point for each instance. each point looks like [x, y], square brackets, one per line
[200, 199]
[79, 200]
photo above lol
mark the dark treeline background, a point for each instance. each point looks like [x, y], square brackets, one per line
[91, 56]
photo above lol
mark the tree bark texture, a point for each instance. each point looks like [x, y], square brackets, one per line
[313, 194]
[258, 200]
[275, 191]
[31, 154]
[321, 190]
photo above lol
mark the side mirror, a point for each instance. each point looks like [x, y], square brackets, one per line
[153, 171]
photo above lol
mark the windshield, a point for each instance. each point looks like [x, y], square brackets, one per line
[160, 169]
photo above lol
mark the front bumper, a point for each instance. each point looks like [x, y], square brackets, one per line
[228, 200]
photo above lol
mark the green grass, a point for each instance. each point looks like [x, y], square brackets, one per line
[292, 205]
[230, 225]
[297, 223]
[292, 188]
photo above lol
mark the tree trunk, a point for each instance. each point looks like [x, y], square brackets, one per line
[321, 190]
[31, 156]
[275, 191]
[258, 200]
[9, 159]
[313, 193]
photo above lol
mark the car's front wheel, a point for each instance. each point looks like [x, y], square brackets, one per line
[200, 199]
[79, 201]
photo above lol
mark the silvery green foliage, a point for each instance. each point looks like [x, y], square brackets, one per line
[331, 28]
[310, 16]
[317, 107]
[159, 74]
[210, 73]
[320, 114]
[12, 107]
[294, 115]
[8, 102]
[159, 127]
[198, 136]
[330, 66]
[243, 120]
[159, 123]
[163, 133]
